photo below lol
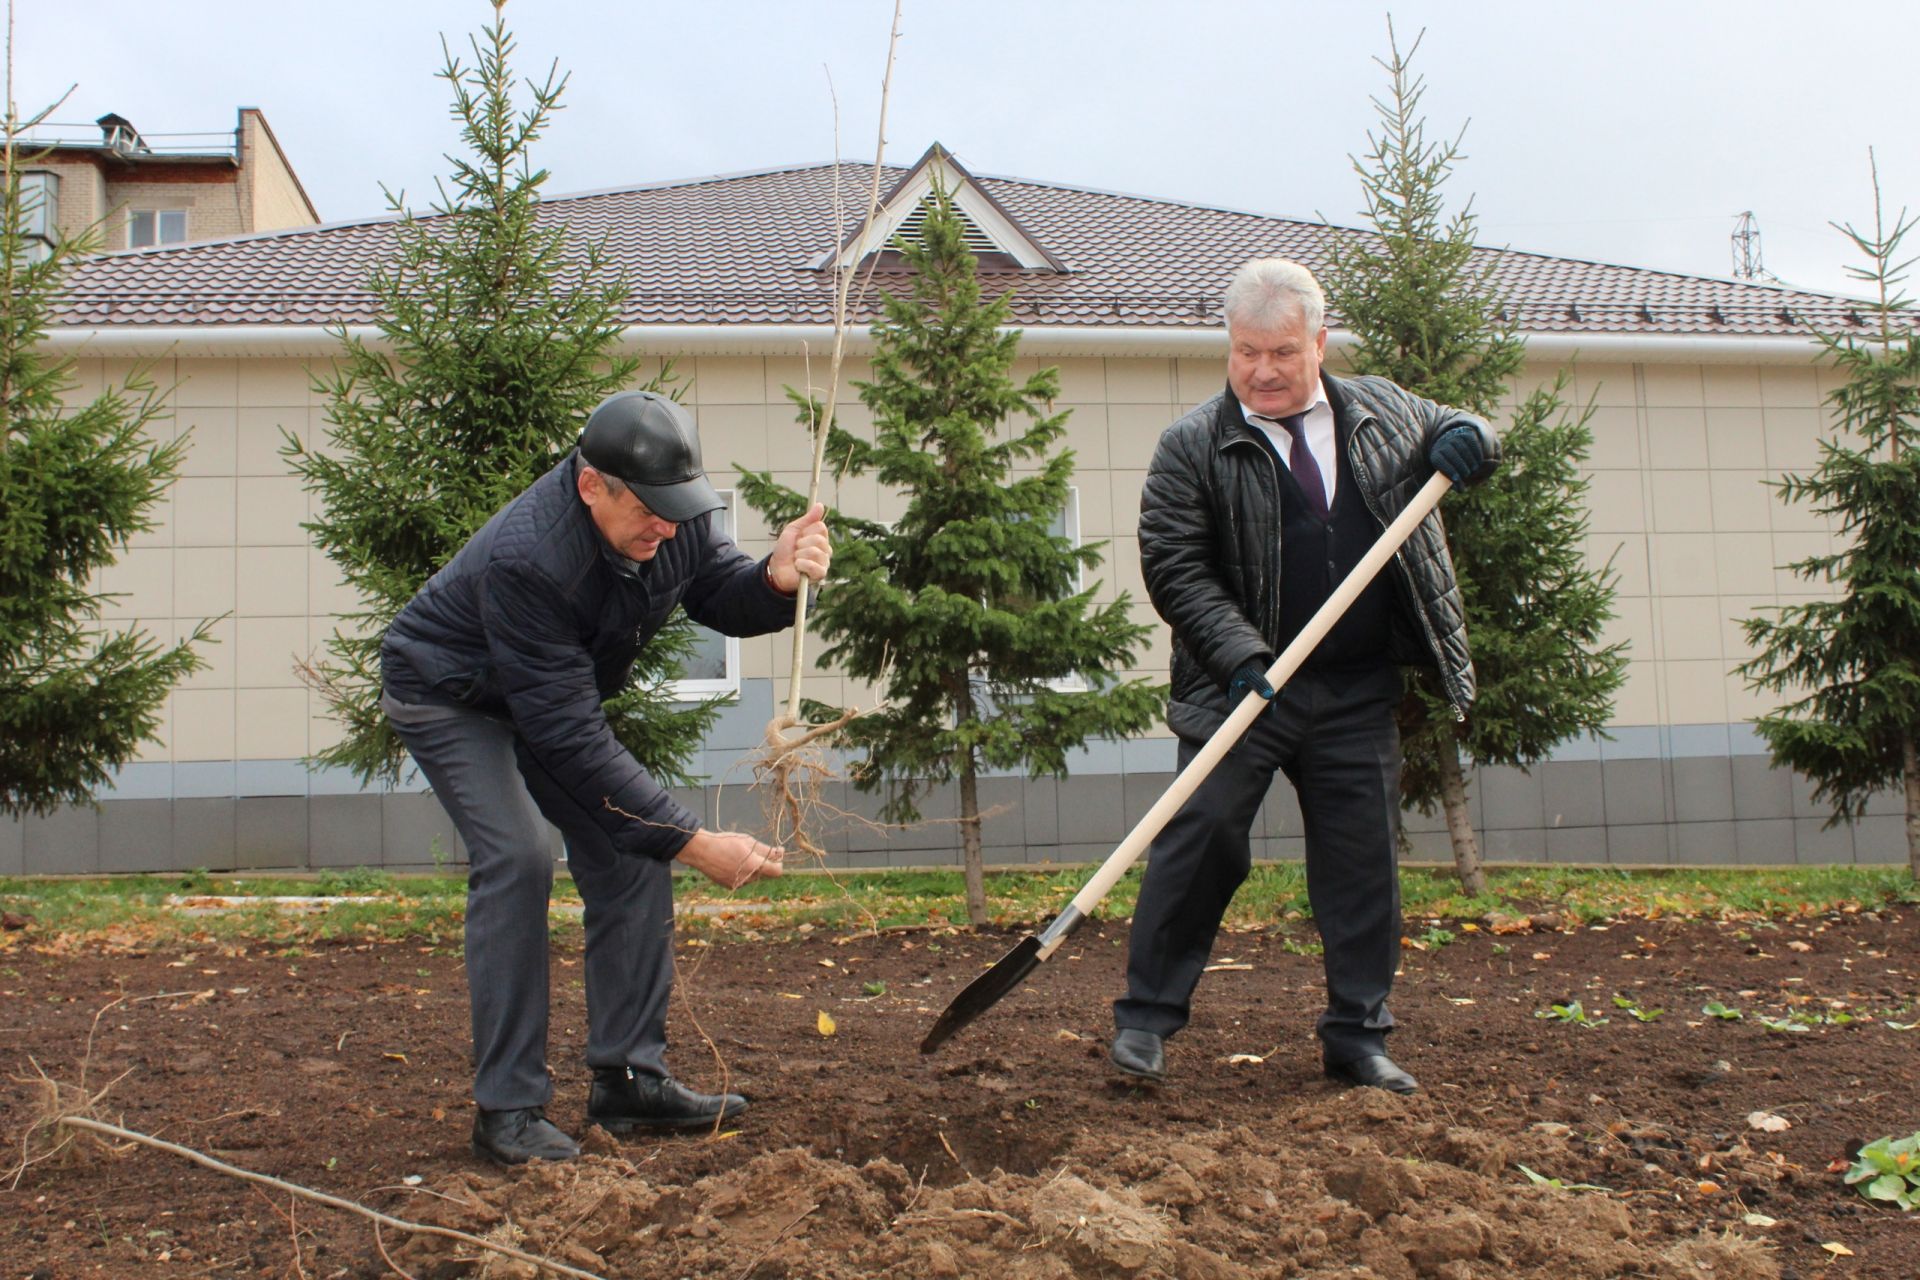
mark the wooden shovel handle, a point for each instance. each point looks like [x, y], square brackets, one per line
[1235, 725]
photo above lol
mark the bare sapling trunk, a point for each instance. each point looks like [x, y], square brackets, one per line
[1453, 797]
[1910, 752]
[971, 857]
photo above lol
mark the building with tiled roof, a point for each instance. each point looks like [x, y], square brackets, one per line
[1703, 391]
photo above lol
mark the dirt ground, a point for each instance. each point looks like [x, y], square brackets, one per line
[1014, 1152]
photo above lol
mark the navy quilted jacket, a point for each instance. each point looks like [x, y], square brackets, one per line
[1210, 540]
[537, 620]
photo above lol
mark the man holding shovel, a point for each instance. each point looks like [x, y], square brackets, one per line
[1256, 506]
[494, 676]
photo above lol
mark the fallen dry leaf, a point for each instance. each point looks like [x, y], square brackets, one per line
[394, 1057]
[1767, 1122]
[1064, 1034]
[1759, 1220]
[1837, 1249]
[825, 1023]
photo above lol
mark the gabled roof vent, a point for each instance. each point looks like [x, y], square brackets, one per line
[992, 233]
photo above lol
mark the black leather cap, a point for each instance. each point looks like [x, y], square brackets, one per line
[648, 442]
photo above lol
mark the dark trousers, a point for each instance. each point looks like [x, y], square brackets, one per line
[1333, 735]
[501, 807]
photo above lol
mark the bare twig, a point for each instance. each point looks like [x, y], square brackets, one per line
[321, 1197]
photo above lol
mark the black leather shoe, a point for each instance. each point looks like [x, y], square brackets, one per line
[1139, 1053]
[1376, 1072]
[623, 1100]
[515, 1137]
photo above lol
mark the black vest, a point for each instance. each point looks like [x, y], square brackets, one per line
[1315, 557]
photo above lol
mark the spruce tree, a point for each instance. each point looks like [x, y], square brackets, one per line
[1853, 659]
[967, 611]
[78, 696]
[497, 330]
[1427, 315]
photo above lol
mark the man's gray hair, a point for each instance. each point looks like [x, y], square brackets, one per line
[1267, 293]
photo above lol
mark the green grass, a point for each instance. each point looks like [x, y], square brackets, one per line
[131, 909]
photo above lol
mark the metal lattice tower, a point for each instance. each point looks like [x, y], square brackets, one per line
[1747, 264]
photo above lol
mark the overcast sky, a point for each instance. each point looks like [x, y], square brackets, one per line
[1626, 131]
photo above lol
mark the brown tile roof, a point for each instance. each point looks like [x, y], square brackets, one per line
[743, 249]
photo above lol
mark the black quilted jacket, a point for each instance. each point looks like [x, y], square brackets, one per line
[1210, 540]
[537, 620]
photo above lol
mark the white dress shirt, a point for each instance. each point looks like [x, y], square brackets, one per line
[1321, 440]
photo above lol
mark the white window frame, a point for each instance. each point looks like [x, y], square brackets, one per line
[1070, 522]
[160, 217]
[727, 685]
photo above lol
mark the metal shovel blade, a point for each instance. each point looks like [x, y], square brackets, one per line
[985, 991]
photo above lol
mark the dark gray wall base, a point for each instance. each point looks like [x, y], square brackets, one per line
[1686, 811]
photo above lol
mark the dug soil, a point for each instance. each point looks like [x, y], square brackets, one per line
[1688, 1147]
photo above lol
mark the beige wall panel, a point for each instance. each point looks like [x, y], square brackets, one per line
[1744, 562]
[1690, 628]
[1096, 507]
[266, 651]
[1628, 554]
[1632, 621]
[1789, 386]
[327, 591]
[1604, 384]
[1789, 548]
[259, 439]
[1122, 569]
[218, 652]
[1745, 703]
[1682, 502]
[789, 447]
[1141, 380]
[1736, 438]
[1616, 438]
[1133, 433]
[1696, 693]
[1793, 439]
[1742, 503]
[279, 384]
[159, 748]
[727, 380]
[1083, 379]
[1794, 517]
[270, 511]
[1087, 435]
[1615, 503]
[203, 514]
[140, 583]
[273, 581]
[757, 660]
[1731, 386]
[1124, 494]
[160, 514]
[210, 436]
[270, 724]
[1676, 438]
[1673, 385]
[203, 582]
[736, 434]
[1683, 564]
[207, 383]
[1198, 381]
[1638, 701]
[1734, 611]
[856, 495]
[782, 372]
[323, 731]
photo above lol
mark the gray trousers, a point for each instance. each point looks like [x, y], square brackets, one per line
[501, 808]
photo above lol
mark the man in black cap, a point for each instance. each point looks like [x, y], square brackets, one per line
[494, 676]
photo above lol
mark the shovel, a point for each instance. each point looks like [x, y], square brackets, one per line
[986, 990]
